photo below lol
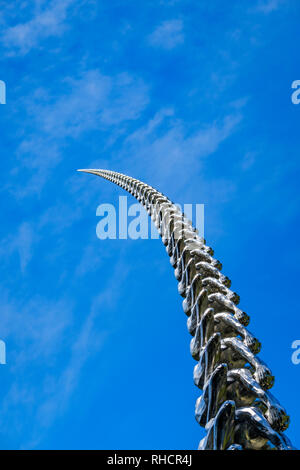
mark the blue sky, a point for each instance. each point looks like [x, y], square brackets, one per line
[194, 98]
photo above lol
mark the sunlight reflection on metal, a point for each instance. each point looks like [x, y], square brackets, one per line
[235, 408]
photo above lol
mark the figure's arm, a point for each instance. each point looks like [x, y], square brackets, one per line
[252, 417]
[262, 373]
[231, 322]
[213, 285]
[220, 303]
[275, 414]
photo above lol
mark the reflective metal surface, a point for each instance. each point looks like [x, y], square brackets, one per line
[235, 407]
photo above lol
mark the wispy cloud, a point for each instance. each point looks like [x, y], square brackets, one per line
[268, 6]
[35, 332]
[21, 242]
[93, 102]
[47, 22]
[167, 35]
[37, 327]
[84, 93]
[174, 152]
[90, 261]
[248, 160]
[44, 330]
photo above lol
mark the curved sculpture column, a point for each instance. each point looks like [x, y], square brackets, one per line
[235, 408]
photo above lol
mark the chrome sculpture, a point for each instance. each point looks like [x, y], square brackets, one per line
[235, 407]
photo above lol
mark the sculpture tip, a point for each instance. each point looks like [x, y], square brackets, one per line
[92, 171]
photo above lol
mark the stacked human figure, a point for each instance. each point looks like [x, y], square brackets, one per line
[236, 408]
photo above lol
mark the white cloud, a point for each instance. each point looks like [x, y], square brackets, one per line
[93, 102]
[38, 326]
[35, 332]
[267, 6]
[90, 260]
[248, 160]
[51, 354]
[22, 243]
[169, 152]
[21, 38]
[168, 34]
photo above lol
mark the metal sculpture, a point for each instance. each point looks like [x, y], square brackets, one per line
[235, 408]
